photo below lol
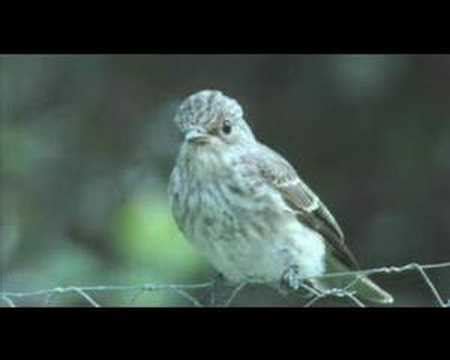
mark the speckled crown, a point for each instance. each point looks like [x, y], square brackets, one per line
[205, 105]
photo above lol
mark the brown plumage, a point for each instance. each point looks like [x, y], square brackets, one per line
[247, 210]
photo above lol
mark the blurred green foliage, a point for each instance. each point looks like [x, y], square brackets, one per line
[87, 144]
[146, 233]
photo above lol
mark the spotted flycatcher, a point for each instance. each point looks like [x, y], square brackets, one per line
[246, 209]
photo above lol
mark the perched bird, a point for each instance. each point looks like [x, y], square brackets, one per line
[246, 209]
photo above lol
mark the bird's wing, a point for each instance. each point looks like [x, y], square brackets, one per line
[302, 200]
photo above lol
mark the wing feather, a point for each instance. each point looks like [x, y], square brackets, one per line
[302, 200]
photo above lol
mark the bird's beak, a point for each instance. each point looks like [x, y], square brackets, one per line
[197, 136]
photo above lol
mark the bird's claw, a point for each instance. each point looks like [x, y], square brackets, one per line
[292, 280]
[291, 277]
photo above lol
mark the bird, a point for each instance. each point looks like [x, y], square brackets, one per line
[246, 209]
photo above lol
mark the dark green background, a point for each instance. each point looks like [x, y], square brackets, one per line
[88, 142]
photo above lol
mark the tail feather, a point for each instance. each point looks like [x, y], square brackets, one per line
[363, 287]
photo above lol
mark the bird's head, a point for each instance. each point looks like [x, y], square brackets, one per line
[210, 118]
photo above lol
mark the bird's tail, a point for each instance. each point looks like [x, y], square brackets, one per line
[363, 287]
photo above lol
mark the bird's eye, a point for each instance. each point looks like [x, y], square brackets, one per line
[226, 127]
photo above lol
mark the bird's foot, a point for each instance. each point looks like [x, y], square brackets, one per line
[292, 280]
[223, 292]
[218, 287]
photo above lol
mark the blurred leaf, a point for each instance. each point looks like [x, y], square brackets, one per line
[146, 233]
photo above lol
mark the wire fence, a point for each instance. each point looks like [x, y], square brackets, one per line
[89, 293]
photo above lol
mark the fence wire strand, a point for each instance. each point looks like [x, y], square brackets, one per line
[87, 293]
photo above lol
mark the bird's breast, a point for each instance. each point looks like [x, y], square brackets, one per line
[239, 222]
